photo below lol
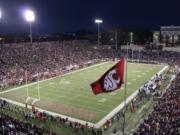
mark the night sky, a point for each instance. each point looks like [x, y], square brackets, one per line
[53, 16]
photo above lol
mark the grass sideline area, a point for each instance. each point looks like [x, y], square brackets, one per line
[71, 94]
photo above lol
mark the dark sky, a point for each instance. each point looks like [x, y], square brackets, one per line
[71, 15]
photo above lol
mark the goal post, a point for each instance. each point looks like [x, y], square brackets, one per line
[31, 101]
[28, 97]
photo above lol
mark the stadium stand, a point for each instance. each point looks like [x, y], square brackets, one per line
[48, 59]
[12, 126]
[164, 119]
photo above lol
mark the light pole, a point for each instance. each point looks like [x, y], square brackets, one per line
[98, 21]
[0, 14]
[30, 17]
[116, 38]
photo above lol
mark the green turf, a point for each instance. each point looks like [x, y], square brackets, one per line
[71, 94]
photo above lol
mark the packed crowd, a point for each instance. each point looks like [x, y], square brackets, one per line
[11, 126]
[165, 117]
[21, 62]
[149, 87]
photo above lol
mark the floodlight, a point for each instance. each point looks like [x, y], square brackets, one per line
[29, 15]
[98, 21]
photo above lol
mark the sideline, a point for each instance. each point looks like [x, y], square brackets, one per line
[49, 112]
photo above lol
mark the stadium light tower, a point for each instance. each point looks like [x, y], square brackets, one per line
[30, 17]
[98, 21]
[0, 14]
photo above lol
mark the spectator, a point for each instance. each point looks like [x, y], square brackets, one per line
[164, 120]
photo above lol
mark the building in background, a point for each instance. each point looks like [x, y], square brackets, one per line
[170, 35]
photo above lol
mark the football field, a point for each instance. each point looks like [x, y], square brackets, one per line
[71, 94]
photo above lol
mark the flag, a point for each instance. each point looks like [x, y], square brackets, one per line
[111, 80]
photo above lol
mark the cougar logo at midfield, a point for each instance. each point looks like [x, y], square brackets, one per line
[110, 83]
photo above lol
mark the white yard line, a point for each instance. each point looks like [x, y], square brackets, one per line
[121, 106]
[13, 89]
